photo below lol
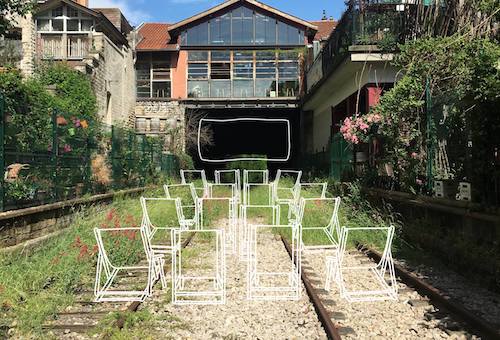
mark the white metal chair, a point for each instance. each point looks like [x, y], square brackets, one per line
[106, 289]
[231, 218]
[286, 194]
[278, 284]
[190, 288]
[236, 179]
[329, 227]
[249, 178]
[247, 193]
[273, 210]
[190, 176]
[376, 275]
[187, 194]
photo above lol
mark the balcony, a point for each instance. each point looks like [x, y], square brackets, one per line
[378, 25]
[63, 46]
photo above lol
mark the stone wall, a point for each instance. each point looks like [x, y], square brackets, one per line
[113, 80]
[28, 38]
[161, 117]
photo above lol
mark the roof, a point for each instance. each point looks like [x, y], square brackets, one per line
[117, 18]
[154, 37]
[253, 3]
[325, 28]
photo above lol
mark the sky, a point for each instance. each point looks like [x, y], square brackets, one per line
[171, 11]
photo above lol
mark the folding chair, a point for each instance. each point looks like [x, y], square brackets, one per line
[106, 287]
[190, 288]
[287, 194]
[283, 283]
[249, 174]
[231, 218]
[375, 286]
[273, 210]
[329, 227]
[219, 177]
[266, 188]
[195, 176]
[187, 194]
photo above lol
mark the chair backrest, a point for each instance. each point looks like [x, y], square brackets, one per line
[247, 190]
[227, 190]
[190, 176]
[294, 174]
[387, 252]
[165, 202]
[247, 176]
[103, 250]
[333, 220]
[203, 201]
[302, 190]
[219, 177]
[171, 191]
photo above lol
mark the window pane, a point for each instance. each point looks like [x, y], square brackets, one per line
[220, 88]
[198, 56]
[243, 70]
[265, 30]
[220, 71]
[57, 25]
[142, 71]
[43, 25]
[242, 26]
[266, 70]
[197, 71]
[288, 70]
[161, 71]
[72, 25]
[143, 89]
[87, 25]
[243, 88]
[57, 12]
[288, 88]
[289, 35]
[282, 33]
[221, 56]
[161, 89]
[72, 12]
[265, 88]
[197, 89]
[243, 55]
[198, 35]
[220, 30]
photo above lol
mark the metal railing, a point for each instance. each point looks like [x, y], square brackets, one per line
[73, 159]
[377, 23]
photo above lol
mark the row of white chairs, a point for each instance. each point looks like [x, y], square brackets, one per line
[241, 235]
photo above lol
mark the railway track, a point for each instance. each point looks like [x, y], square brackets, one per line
[439, 298]
[428, 295]
[85, 314]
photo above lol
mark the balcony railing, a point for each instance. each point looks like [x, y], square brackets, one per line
[64, 46]
[378, 22]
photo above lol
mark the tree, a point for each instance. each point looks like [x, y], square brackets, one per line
[9, 9]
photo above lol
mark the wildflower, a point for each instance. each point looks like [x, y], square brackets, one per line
[414, 155]
[84, 250]
[110, 215]
[78, 123]
[355, 139]
[95, 249]
[419, 181]
[84, 124]
[78, 242]
[67, 148]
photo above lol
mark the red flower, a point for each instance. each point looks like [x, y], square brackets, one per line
[84, 250]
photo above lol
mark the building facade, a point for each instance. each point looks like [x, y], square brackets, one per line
[241, 58]
[93, 41]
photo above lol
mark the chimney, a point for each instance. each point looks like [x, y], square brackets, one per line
[324, 16]
[82, 2]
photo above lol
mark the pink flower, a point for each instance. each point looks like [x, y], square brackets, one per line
[377, 118]
[414, 155]
[363, 126]
[77, 123]
[67, 148]
[419, 181]
[355, 139]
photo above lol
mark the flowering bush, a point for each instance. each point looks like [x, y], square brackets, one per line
[358, 128]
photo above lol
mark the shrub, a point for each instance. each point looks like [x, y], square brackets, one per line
[248, 165]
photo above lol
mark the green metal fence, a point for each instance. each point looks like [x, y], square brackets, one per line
[69, 159]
